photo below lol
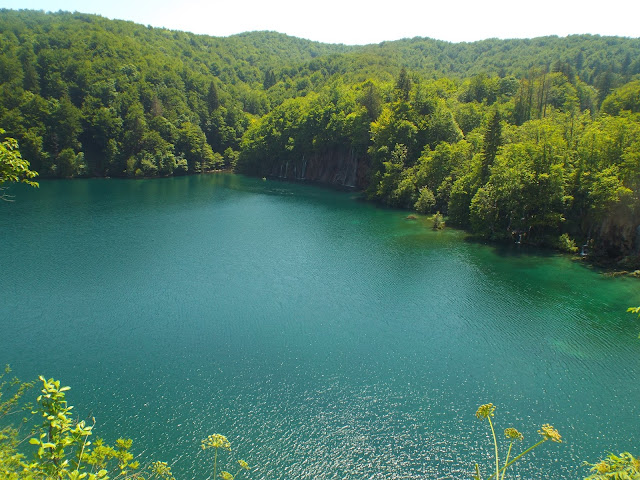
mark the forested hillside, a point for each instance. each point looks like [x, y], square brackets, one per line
[534, 141]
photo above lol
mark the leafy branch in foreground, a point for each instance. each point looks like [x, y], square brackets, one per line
[13, 168]
[547, 432]
[64, 451]
[614, 467]
[15, 388]
[11, 391]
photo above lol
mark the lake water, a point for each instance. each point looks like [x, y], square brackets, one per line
[326, 338]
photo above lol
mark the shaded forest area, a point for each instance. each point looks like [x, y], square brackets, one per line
[536, 141]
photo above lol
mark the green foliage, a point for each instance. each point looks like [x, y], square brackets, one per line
[12, 463]
[567, 244]
[492, 141]
[403, 85]
[59, 431]
[624, 98]
[438, 221]
[13, 168]
[11, 392]
[91, 95]
[462, 193]
[616, 467]
[426, 201]
[64, 449]
[63, 446]
[392, 187]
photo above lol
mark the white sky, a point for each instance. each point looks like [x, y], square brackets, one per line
[360, 22]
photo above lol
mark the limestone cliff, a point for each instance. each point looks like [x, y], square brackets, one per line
[619, 236]
[338, 167]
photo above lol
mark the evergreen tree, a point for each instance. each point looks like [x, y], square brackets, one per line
[403, 85]
[213, 101]
[269, 79]
[371, 100]
[491, 142]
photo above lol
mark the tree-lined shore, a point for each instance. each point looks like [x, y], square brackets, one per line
[534, 141]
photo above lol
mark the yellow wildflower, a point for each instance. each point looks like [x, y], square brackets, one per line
[244, 464]
[485, 411]
[550, 433]
[161, 469]
[216, 441]
[226, 475]
[513, 434]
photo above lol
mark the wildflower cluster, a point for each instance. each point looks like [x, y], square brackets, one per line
[162, 470]
[513, 434]
[550, 433]
[216, 441]
[547, 431]
[485, 411]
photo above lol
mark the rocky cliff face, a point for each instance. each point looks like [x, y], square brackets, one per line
[617, 237]
[344, 168]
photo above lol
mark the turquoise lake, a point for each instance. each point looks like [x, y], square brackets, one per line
[325, 337]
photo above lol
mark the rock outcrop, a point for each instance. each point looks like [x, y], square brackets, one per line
[338, 167]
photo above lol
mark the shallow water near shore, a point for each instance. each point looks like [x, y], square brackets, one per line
[326, 338]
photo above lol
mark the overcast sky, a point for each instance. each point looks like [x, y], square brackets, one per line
[361, 22]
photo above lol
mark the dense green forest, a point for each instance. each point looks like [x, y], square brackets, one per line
[534, 141]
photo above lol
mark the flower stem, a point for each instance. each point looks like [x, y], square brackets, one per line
[520, 456]
[507, 460]
[215, 464]
[495, 443]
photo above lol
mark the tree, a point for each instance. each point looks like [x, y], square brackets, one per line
[193, 145]
[213, 101]
[371, 100]
[389, 178]
[491, 143]
[403, 85]
[269, 79]
[70, 164]
[426, 200]
[626, 97]
[13, 168]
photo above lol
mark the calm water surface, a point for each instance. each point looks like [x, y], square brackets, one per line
[326, 338]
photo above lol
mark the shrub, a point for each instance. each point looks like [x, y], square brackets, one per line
[567, 244]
